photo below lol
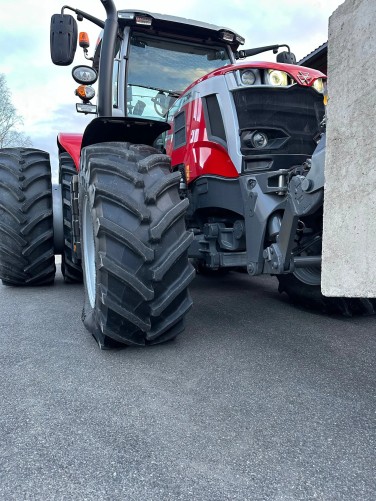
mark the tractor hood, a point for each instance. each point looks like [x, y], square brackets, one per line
[300, 74]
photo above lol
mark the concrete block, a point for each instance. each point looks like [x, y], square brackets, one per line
[349, 239]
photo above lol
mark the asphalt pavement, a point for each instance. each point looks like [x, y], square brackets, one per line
[256, 400]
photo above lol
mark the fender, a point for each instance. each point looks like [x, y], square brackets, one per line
[71, 143]
[134, 130]
[103, 129]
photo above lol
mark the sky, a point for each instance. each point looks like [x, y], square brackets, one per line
[44, 94]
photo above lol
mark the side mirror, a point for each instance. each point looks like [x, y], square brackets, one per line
[286, 57]
[63, 39]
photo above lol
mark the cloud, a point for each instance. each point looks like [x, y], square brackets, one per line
[302, 24]
[44, 131]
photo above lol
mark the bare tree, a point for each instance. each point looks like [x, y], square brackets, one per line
[10, 121]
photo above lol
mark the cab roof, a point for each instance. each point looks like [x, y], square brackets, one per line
[185, 28]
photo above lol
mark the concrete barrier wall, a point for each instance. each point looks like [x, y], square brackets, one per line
[349, 241]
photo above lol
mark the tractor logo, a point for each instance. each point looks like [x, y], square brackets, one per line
[304, 77]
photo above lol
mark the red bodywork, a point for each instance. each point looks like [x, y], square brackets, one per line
[199, 156]
[71, 143]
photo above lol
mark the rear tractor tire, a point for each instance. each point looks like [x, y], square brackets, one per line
[26, 218]
[134, 245]
[72, 272]
[304, 288]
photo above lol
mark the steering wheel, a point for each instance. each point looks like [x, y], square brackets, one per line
[162, 103]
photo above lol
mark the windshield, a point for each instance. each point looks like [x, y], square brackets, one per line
[160, 69]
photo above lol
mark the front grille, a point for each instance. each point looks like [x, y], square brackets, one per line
[296, 111]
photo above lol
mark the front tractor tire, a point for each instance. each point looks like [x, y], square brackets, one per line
[71, 270]
[134, 245]
[26, 218]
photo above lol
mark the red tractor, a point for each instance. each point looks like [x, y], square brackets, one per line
[220, 174]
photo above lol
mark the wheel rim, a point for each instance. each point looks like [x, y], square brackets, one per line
[89, 253]
[310, 275]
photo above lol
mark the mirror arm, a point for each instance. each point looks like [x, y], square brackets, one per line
[85, 15]
[241, 54]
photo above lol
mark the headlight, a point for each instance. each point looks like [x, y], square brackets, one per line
[227, 36]
[319, 85]
[277, 78]
[84, 75]
[248, 77]
[257, 140]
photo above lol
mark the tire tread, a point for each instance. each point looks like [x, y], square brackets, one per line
[142, 267]
[27, 247]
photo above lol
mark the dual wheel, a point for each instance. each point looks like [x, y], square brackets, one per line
[134, 242]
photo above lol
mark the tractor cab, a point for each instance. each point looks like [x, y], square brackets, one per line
[160, 56]
[156, 58]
